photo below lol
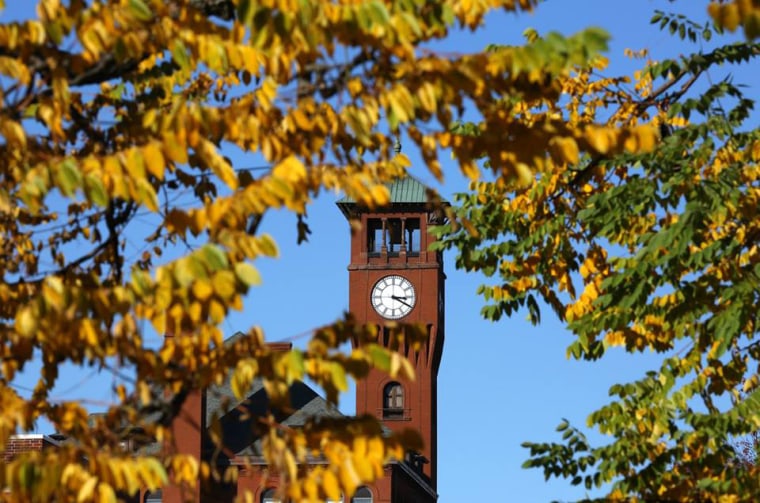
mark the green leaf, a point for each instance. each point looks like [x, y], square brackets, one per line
[381, 358]
[379, 12]
[338, 376]
[267, 246]
[180, 55]
[95, 190]
[140, 10]
[69, 177]
[214, 257]
[247, 274]
[294, 366]
[245, 11]
[141, 282]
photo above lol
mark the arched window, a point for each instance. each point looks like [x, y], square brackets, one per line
[393, 401]
[362, 495]
[268, 496]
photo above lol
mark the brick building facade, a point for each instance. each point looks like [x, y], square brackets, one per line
[28, 443]
[392, 276]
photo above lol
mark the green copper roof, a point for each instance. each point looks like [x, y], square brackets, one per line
[404, 190]
[407, 190]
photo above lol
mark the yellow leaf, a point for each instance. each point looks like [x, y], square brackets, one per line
[426, 95]
[218, 164]
[647, 138]
[154, 160]
[52, 292]
[631, 143]
[135, 164]
[376, 450]
[185, 468]
[26, 322]
[149, 118]
[14, 134]
[175, 148]
[395, 364]
[330, 485]
[349, 479]
[198, 220]
[202, 290]
[88, 333]
[598, 139]
[380, 195]
[470, 170]
[302, 121]
[403, 160]
[224, 284]
[615, 339]
[291, 169]
[147, 195]
[726, 15]
[354, 86]
[243, 376]
[565, 150]
[87, 490]
[216, 312]
[194, 312]
[106, 493]
[362, 464]
[524, 174]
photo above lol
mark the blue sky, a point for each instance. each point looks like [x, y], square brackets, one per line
[500, 383]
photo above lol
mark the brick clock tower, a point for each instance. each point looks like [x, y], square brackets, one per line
[394, 277]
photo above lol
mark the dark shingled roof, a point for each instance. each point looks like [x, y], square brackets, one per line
[238, 418]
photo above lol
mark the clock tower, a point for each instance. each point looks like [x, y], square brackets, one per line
[394, 277]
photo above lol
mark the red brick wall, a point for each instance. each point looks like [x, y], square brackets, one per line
[17, 445]
[425, 272]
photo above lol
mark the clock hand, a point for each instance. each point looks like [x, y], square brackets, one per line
[401, 299]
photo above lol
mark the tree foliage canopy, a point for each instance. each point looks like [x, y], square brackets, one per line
[652, 249]
[115, 119]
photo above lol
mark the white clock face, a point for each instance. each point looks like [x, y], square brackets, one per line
[393, 297]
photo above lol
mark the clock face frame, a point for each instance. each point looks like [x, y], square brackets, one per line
[393, 297]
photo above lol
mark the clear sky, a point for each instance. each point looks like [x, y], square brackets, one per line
[500, 383]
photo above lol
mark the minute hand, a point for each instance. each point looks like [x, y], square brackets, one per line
[402, 300]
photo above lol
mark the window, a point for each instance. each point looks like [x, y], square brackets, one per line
[268, 496]
[363, 495]
[393, 235]
[153, 497]
[374, 236]
[393, 401]
[412, 230]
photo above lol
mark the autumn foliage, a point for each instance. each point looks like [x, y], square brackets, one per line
[119, 112]
[654, 249]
